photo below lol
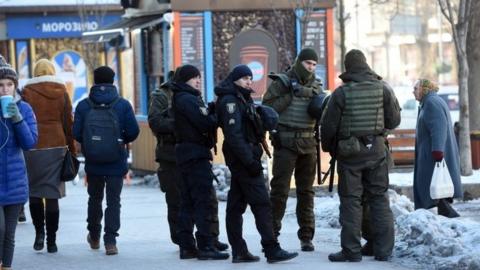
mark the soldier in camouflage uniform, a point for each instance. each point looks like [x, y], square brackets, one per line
[352, 130]
[294, 144]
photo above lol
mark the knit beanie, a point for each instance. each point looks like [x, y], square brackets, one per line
[355, 60]
[103, 74]
[307, 54]
[7, 72]
[43, 67]
[239, 72]
[186, 72]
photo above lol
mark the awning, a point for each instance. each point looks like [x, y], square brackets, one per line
[117, 30]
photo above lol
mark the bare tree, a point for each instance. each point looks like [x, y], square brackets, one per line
[458, 15]
[91, 51]
[342, 19]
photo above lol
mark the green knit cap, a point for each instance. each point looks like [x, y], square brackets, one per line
[307, 54]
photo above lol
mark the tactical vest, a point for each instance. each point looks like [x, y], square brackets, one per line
[363, 112]
[296, 115]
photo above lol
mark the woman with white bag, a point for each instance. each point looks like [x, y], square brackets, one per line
[435, 146]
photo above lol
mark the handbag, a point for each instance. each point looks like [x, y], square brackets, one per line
[70, 167]
[441, 185]
[70, 164]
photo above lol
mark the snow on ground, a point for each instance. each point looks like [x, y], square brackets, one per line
[423, 239]
[406, 178]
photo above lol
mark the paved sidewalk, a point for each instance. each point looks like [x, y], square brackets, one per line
[144, 241]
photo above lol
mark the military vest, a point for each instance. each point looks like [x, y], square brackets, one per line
[363, 111]
[296, 115]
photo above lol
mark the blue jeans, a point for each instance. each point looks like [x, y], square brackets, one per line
[96, 186]
[8, 224]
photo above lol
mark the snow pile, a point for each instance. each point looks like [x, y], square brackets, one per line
[436, 242]
[327, 209]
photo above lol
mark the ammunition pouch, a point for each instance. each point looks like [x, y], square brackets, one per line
[348, 147]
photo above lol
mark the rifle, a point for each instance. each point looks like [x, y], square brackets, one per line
[320, 180]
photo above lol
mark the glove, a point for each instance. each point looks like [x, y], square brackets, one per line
[211, 107]
[255, 168]
[437, 155]
[13, 110]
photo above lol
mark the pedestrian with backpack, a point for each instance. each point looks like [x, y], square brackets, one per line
[104, 124]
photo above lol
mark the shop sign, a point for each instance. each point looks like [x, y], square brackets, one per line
[25, 27]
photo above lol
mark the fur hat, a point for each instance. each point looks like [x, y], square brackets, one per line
[103, 74]
[43, 67]
[240, 71]
[307, 54]
[186, 72]
[7, 72]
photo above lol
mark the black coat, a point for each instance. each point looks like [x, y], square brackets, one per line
[194, 125]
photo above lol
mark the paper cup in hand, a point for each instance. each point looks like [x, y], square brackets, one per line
[5, 100]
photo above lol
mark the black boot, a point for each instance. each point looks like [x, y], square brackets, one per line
[245, 257]
[52, 227]
[37, 213]
[279, 255]
[211, 253]
[21, 216]
[445, 209]
[188, 253]
[219, 245]
[342, 257]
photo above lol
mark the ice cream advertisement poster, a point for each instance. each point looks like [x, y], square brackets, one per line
[71, 68]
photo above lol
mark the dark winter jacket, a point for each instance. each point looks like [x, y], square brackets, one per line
[239, 142]
[162, 128]
[14, 139]
[332, 117]
[194, 125]
[106, 94]
[434, 132]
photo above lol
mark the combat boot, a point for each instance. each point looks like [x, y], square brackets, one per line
[279, 255]
[342, 257]
[219, 245]
[186, 253]
[306, 245]
[210, 253]
[94, 243]
[245, 257]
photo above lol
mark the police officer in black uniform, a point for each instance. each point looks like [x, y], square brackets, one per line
[242, 149]
[194, 125]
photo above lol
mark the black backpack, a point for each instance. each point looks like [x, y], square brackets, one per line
[102, 140]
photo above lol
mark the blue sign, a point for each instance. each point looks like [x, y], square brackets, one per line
[25, 27]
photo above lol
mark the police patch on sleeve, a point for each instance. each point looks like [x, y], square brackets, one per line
[204, 110]
[231, 107]
[231, 121]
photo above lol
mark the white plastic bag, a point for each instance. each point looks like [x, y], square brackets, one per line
[441, 185]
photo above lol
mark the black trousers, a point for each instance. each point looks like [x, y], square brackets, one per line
[363, 190]
[171, 184]
[246, 190]
[196, 207]
[112, 185]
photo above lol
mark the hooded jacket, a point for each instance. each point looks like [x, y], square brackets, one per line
[129, 130]
[50, 102]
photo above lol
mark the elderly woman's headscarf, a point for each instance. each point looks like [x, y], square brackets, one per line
[427, 86]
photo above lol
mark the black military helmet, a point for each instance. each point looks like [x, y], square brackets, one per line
[269, 117]
[316, 106]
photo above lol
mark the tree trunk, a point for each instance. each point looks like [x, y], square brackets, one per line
[473, 52]
[464, 134]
